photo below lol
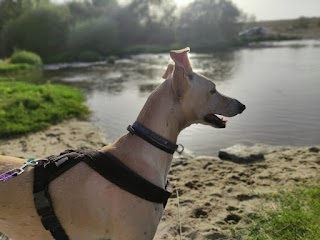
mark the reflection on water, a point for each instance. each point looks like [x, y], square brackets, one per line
[278, 84]
[147, 87]
[217, 67]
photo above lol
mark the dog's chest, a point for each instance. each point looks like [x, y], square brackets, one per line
[138, 221]
[108, 212]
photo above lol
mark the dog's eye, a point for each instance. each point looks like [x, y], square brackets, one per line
[213, 91]
[190, 76]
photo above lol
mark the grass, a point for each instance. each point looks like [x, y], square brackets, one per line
[6, 68]
[26, 107]
[296, 215]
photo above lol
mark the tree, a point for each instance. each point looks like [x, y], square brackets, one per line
[105, 3]
[208, 21]
[42, 30]
[98, 36]
[144, 21]
[10, 9]
[302, 22]
[85, 10]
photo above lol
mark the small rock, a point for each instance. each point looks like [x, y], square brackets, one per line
[232, 208]
[207, 165]
[314, 149]
[200, 213]
[241, 154]
[209, 184]
[193, 235]
[192, 184]
[216, 235]
[246, 197]
[111, 60]
[232, 218]
[184, 229]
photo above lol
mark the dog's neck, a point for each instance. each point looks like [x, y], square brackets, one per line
[161, 115]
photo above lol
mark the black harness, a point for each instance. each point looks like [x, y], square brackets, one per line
[106, 165]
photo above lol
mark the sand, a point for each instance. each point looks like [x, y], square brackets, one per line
[72, 134]
[215, 196]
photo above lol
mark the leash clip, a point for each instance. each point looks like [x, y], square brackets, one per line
[31, 162]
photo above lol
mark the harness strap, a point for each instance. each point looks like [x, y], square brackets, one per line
[43, 203]
[105, 164]
[125, 178]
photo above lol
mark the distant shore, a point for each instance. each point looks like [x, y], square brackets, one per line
[215, 196]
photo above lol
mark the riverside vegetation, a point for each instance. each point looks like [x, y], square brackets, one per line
[27, 107]
[91, 30]
[296, 215]
[19, 61]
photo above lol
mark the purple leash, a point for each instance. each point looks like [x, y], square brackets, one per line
[17, 171]
[8, 175]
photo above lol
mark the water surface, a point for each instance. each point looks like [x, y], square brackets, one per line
[279, 84]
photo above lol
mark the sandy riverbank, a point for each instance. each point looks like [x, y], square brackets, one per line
[215, 195]
[72, 134]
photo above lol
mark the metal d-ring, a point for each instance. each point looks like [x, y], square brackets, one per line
[180, 148]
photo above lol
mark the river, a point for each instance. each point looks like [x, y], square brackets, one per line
[278, 82]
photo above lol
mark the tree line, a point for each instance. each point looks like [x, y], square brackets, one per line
[91, 29]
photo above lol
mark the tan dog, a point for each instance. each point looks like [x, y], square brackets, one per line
[90, 207]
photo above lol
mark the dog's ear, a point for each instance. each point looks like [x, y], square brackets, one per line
[168, 72]
[182, 66]
[180, 57]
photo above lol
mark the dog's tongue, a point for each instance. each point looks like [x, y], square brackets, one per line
[213, 119]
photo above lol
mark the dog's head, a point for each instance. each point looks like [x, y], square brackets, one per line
[197, 96]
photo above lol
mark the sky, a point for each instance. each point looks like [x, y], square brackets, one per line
[270, 9]
[275, 9]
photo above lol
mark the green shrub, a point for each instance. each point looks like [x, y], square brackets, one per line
[26, 107]
[26, 57]
[94, 35]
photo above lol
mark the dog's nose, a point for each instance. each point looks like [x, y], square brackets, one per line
[242, 107]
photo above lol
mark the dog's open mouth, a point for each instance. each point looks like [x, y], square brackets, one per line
[216, 121]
